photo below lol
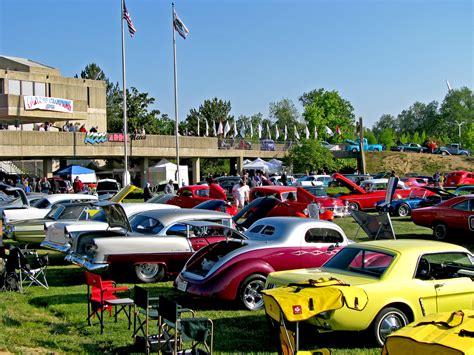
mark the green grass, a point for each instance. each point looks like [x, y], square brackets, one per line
[54, 320]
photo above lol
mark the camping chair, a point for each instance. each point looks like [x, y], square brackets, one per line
[376, 226]
[143, 312]
[101, 296]
[29, 267]
[177, 330]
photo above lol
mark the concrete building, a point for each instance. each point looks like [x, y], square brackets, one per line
[32, 93]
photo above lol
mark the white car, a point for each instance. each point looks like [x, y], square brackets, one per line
[313, 180]
[41, 207]
[380, 184]
[57, 233]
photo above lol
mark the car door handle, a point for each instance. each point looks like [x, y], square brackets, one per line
[439, 285]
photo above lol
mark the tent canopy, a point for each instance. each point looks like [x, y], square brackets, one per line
[73, 170]
[258, 164]
[164, 171]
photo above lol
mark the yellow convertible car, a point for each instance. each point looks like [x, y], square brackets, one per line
[379, 286]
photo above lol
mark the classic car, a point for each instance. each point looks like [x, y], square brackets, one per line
[360, 199]
[419, 197]
[153, 245]
[40, 208]
[456, 178]
[236, 270]
[313, 180]
[410, 147]
[60, 185]
[227, 183]
[414, 181]
[355, 178]
[464, 190]
[107, 187]
[397, 281]
[380, 184]
[217, 205]
[58, 234]
[453, 215]
[192, 195]
[297, 199]
[33, 230]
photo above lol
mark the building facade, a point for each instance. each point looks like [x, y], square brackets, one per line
[33, 94]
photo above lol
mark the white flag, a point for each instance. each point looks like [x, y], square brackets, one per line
[251, 130]
[329, 131]
[242, 130]
[226, 128]
[306, 130]
[277, 133]
[315, 133]
[259, 130]
[220, 130]
[297, 135]
[207, 127]
[269, 134]
[214, 128]
[235, 129]
[286, 134]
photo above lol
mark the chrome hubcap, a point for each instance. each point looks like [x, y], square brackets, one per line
[403, 211]
[252, 296]
[148, 270]
[389, 324]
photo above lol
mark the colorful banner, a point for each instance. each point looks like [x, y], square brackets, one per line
[97, 138]
[48, 103]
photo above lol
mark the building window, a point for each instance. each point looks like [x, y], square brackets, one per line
[40, 89]
[14, 87]
[27, 88]
[2, 87]
[88, 97]
[49, 90]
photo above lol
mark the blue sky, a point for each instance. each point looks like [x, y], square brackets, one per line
[382, 56]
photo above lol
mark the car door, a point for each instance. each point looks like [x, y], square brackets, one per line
[459, 215]
[318, 245]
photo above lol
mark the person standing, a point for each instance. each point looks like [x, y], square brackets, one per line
[284, 179]
[147, 192]
[169, 188]
[45, 185]
[77, 185]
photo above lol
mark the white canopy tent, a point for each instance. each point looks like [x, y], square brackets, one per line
[164, 170]
[258, 164]
[277, 165]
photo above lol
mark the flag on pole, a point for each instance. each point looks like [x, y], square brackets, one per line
[179, 26]
[214, 128]
[315, 133]
[126, 17]
[286, 134]
[242, 130]
[235, 129]
[269, 134]
[251, 129]
[306, 130]
[329, 132]
[297, 135]
[220, 130]
[259, 130]
[277, 132]
[226, 128]
[207, 127]
[338, 130]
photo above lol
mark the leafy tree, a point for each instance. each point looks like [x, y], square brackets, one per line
[253, 120]
[387, 138]
[94, 72]
[284, 112]
[384, 122]
[327, 108]
[214, 111]
[309, 156]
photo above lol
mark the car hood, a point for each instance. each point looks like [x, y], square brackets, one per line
[122, 193]
[283, 278]
[438, 191]
[348, 183]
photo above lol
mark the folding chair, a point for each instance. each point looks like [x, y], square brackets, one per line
[143, 312]
[29, 267]
[177, 330]
[102, 296]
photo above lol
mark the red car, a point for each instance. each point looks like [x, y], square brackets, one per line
[360, 199]
[453, 215]
[457, 178]
[193, 195]
[414, 181]
[297, 199]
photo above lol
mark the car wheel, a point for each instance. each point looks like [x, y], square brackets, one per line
[149, 272]
[376, 149]
[403, 210]
[440, 231]
[444, 153]
[354, 150]
[387, 321]
[250, 292]
[353, 206]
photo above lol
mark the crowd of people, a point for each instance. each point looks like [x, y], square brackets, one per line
[45, 185]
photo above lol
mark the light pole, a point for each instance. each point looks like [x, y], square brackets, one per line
[459, 126]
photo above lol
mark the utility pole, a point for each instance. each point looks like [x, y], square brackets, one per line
[361, 160]
[459, 127]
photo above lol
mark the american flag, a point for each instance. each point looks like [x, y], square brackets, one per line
[126, 17]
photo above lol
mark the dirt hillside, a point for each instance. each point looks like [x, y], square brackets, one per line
[423, 164]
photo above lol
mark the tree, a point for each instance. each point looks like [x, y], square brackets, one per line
[94, 72]
[327, 108]
[385, 121]
[214, 111]
[387, 138]
[310, 156]
[284, 112]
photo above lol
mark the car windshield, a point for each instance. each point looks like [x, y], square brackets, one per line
[361, 261]
[318, 192]
[65, 212]
[40, 203]
[145, 224]
[417, 193]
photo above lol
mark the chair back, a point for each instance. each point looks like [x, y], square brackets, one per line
[140, 297]
[168, 309]
[97, 287]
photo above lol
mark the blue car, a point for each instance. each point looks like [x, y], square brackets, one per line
[419, 197]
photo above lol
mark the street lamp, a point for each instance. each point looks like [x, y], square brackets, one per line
[459, 126]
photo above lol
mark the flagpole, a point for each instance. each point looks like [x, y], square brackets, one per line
[175, 99]
[126, 176]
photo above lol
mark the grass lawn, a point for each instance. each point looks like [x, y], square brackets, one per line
[54, 320]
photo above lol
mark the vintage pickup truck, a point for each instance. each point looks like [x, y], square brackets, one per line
[452, 149]
[353, 146]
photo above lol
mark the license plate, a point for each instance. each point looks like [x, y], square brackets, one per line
[181, 285]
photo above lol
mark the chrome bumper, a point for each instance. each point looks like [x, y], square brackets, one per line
[64, 248]
[83, 262]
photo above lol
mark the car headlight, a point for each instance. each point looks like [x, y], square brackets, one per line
[8, 230]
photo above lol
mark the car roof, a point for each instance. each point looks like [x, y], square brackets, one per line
[167, 216]
[275, 188]
[64, 197]
[411, 246]
[145, 206]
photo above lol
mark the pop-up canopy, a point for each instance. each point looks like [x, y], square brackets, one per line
[85, 175]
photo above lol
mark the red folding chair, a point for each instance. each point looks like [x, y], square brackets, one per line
[102, 296]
